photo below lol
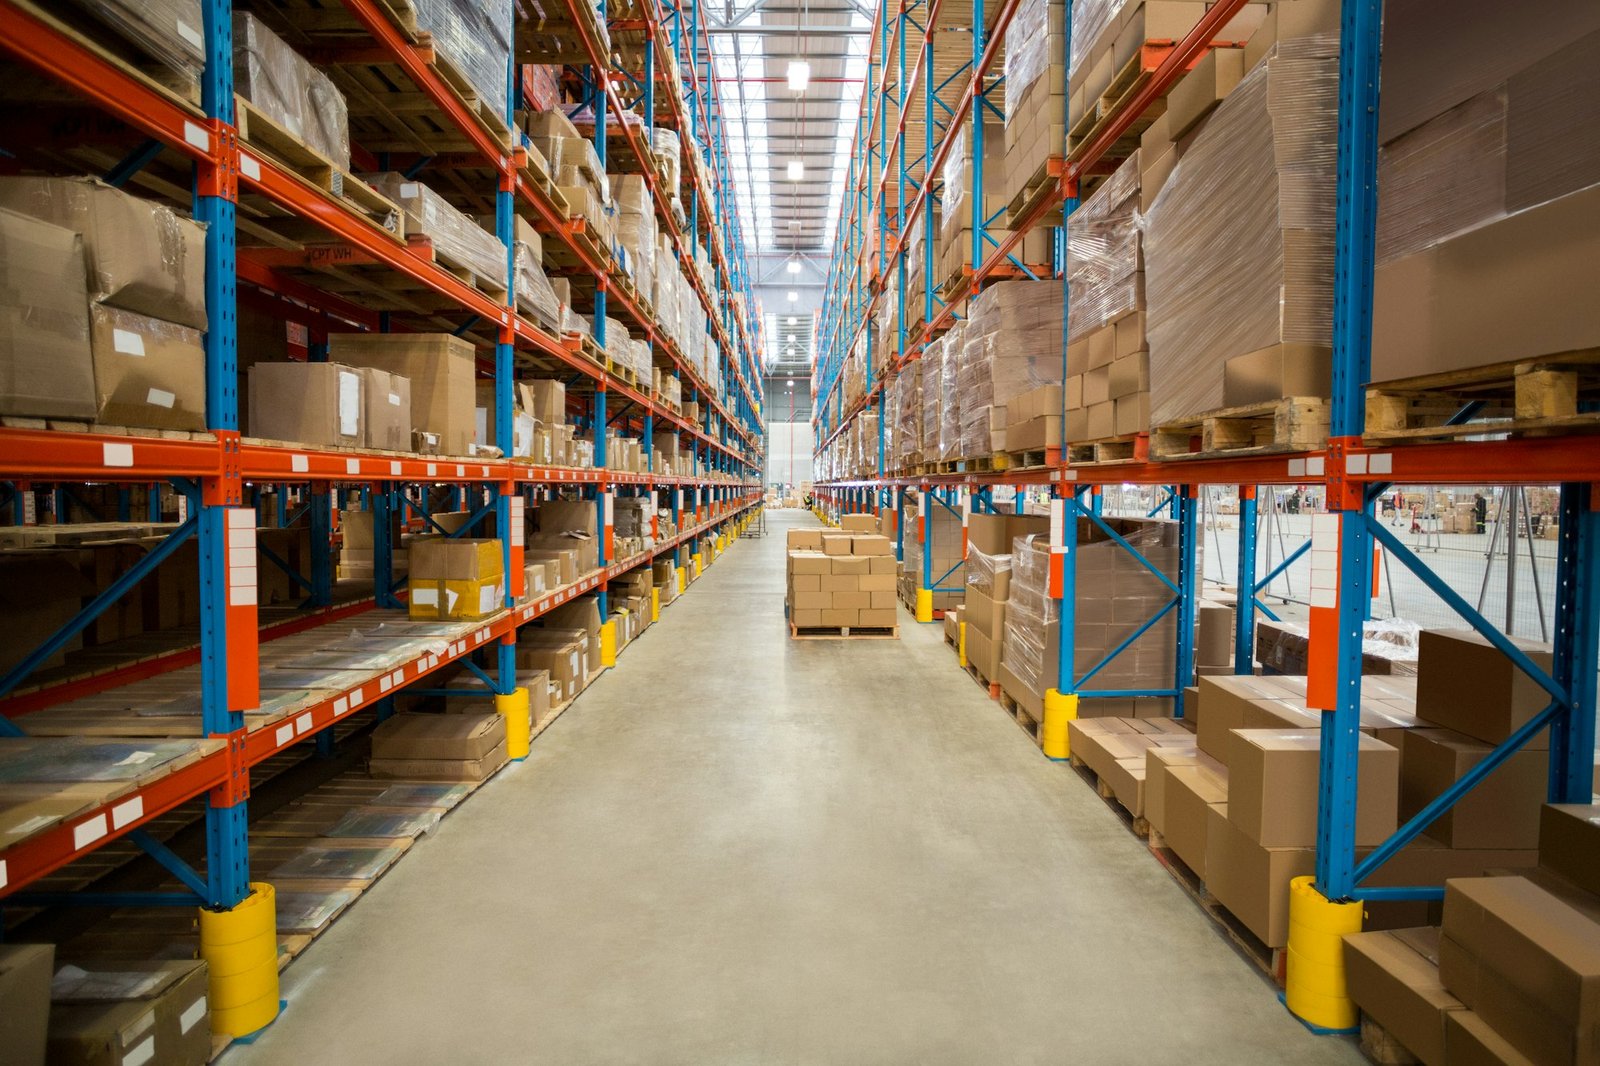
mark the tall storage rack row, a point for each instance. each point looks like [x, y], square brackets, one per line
[637, 66]
[887, 202]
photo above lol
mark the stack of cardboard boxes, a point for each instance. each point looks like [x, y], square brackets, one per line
[1036, 89]
[988, 581]
[456, 577]
[463, 745]
[104, 306]
[1511, 975]
[576, 168]
[959, 203]
[933, 538]
[1011, 345]
[840, 580]
[123, 1011]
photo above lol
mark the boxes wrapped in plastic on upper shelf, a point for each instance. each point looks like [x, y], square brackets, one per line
[474, 38]
[457, 239]
[172, 32]
[288, 90]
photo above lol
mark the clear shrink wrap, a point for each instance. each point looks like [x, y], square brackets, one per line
[1239, 244]
[908, 435]
[1105, 261]
[455, 236]
[1090, 18]
[1030, 615]
[289, 90]
[950, 416]
[1028, 51]
[535, 295]
[1011, 345]
[983, 570]
[931, 367]
[668, 149]
[475, 35]
[172, 32]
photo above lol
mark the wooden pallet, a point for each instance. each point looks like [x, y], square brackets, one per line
[1045, 184]
[627, 374]
[260, 131]
[447, 260]
[1023, 717]
[1130, 447]
[1525, 397]
[1271, 961]
[1115, 98]
[1379, 1046]
[1137, 824]
[983, 682]
[1297, 423]
[96, 37]
[1034, 457]
[844, 632]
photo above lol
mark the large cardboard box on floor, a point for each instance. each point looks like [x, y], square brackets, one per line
[1501, 812]
[1273, 787]
[1393, 976]
[25, 971]
[130, 1011]
[1465, 684]
[440, 368]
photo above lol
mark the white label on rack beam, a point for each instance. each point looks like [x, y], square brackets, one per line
[1058, 525]
[461, 470]
[249, 166]
[284, 734]
[128, 812]
[1325, 560]
[302, 725]
[399, 676]
[1357, 463]
[197, 136]
[1314, 466]
[88, 831]
[341, 705]
[352, 466]
[383, 684]
[394, 467]
[2, 873]
[433, 469]
[116, 454]
[1381, 463]
[300, 464]
[241, 557]
[966, 507]
[1297, 467]
[242, 597]
[355, 697]
[519, 521]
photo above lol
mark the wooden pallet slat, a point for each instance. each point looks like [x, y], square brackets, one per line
[1295, 423]
[844, 632]
[1526, 397]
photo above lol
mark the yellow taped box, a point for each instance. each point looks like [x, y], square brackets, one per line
[456, 578]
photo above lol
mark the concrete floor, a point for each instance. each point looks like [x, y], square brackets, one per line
[736, 848]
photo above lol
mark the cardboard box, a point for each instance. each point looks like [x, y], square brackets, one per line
[1189, 792]
[1398, 985]
[871, 544]
[25, 971]
[1469, 1041]
[474, 585]
[1528, 963]
[1273, 779]
[438, 736]
[1280, 370]
[47, 371]
[141, 255]
[836, 543]
[858, 523]
[385, 410]
[564, 662]
[440, 368]
[804, 540]
[1250, 880]
[1464, 684]
[148, 374]
[1569, 843]
[1202, 89]
[306, 403]
[127, 1011]
[1503, 811]
[479, 769]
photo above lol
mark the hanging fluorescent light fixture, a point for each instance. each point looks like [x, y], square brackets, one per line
[794, 297]
[799, 75]
[796, 170]
[793, 266]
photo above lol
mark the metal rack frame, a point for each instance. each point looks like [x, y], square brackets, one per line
[213, 473]
[1352, 471]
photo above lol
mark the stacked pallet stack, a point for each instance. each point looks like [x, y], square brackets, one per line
[934, 539]
[1011, 346]
[839, 582]
[1035, 104]
[988, 585]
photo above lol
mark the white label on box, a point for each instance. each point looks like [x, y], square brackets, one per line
[197, 136]
[284, 734]
[88, 831]
[191, 1017]
[250, 166]
[409, 188]
[125, 813]
[451, 596]
[161, 398]
[117, 454]
[487, 597]
[299, 464]
[302, 725]
[3, 877]
[127, 342]
[190, 34]
[352, 466]
[394, 399]
[349, 404]
[141, 1053]
[341, 705]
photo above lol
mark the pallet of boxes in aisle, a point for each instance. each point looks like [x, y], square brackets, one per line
[841, 584]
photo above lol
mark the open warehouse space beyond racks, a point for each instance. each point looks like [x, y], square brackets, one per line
[646, 531]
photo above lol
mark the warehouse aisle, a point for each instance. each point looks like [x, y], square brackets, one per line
[740, 849]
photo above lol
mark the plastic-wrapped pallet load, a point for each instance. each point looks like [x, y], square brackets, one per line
[908, 433]
[456, 237]
[1036, 83]
[289, 90]
[1489, 211]
[668, 150]
[1011, 345]
[475, 36]
[172, 32]
[1239, 244]
[950, 414]
[934, 395]
[940, 536]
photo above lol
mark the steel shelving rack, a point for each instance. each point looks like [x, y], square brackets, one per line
[873, 232]
[214, 472]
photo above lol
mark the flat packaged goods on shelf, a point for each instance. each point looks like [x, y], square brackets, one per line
[142, 256]
[307, 403]
[172, 32]
[148, 374]
[47, 370]
[25, 972]
[289, 90]
[440, 368]
[1010, 346]
[1035, 91]
[1239, 244]
[439, 747]
[474, 36]
[385, 410]
[950, 414]
[457, 239]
